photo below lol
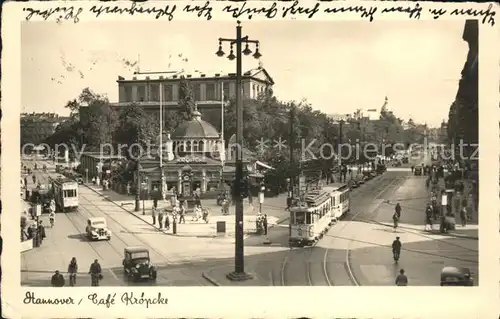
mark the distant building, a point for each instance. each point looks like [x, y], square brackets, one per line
[36, 127]
[144, 89]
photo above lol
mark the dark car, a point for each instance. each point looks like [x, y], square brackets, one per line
[137, 264]
[456, 276]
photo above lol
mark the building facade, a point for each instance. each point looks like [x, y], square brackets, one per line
[208, 90]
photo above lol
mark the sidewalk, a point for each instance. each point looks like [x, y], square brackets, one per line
[191, 228]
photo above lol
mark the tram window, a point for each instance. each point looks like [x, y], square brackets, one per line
[309, 218]
[300, 217]
[69, 193]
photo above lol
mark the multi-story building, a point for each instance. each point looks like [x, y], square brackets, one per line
[208, 90]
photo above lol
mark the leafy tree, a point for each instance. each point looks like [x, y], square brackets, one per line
[136, 126]
[186, 99]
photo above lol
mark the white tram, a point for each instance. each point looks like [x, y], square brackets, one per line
[65, 194]
[341, 202]
[311, 217]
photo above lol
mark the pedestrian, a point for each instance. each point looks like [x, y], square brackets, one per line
[72, 271]
[95, 273]
[41, 231]
[401, 279]
[57, 279]
[153, 214]
[160, 219]
[94, 181]
[128, 187]
[264, 220]
[25, 183]
[428, 217]
[463, 216]
[412, 168]
[34, 179]
[182, 215]
[196, 213]
[167, 221]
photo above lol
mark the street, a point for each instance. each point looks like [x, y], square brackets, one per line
[355, 251]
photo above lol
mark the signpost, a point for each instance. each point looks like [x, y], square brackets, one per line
[144, 187]
[86, 175]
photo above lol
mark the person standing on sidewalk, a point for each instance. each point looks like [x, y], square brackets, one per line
[160, 219]
[153, 214]
[463, 216]
[57, 280]
[182, 215]
[95, 273]
[167, 221]
[72, 271]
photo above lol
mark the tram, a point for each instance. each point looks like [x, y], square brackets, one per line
[312, 216]
[65, 194]
[341, 199]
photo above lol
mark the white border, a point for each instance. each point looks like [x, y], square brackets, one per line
[266, 302]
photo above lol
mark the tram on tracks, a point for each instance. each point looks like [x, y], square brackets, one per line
[313, 214]
[65, 192]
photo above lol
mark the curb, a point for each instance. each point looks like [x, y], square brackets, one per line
[449, 234]
[210, 279]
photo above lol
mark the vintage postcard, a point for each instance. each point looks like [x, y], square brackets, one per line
[250, 159]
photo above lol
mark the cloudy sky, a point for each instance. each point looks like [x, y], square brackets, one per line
[337, 66]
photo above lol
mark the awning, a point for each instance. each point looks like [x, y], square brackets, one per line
[263, 165]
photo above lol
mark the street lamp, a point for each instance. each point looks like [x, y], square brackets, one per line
[138, 188]
[239, 264]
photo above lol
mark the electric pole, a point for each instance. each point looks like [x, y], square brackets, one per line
[292, 149]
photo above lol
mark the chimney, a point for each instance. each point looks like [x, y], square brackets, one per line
[188, 76]
[217, 74]
[202, 75]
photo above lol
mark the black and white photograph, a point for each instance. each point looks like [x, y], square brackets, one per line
[362, 173]
[248, 153]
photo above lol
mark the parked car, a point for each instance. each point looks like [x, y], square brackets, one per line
[137, 264]
[97, 229]
[456, 276]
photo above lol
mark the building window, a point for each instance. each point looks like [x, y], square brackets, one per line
[195, 146]
[197, 92]
[155, 92]
[141, 93]
[128, 94]
[201, 146]
[188, 146]
[210, 91]
[167, 92]
[225, 89]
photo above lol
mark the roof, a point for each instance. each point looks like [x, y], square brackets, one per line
[195, 128]
[97, 219]
[133, 249]
[453, 269]
[192, 74]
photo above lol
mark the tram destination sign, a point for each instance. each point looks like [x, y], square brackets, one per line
[191, 160]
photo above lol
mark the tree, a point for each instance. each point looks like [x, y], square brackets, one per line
[136, 126]
[186, 99]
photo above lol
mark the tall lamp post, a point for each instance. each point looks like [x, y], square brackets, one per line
[239, 265]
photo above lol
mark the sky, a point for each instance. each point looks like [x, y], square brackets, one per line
[337, 66]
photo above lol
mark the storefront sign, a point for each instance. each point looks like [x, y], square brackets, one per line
[190, 160]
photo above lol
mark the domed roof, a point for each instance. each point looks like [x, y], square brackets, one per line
[195, 128]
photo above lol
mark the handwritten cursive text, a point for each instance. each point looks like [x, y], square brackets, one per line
[130, 299]
[30, 298]
[237, 10]
[365, 12]
[132, 9]
[66, 13]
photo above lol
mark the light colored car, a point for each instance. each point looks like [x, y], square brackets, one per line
[97, 229]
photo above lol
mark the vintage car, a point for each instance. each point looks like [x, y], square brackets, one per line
[456, 276]
[137, 264]
[97, 229]
[418, 170]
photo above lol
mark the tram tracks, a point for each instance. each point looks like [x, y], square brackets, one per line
[315, 259]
